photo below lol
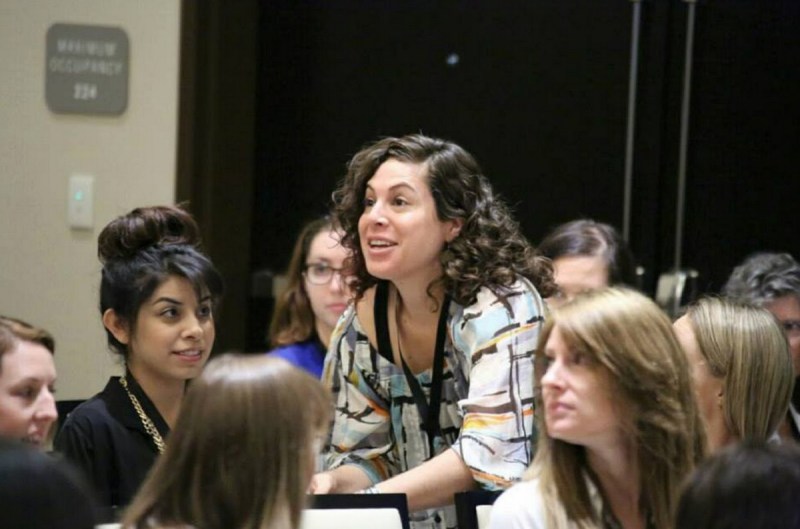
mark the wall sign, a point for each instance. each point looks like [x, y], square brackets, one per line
[87, 69]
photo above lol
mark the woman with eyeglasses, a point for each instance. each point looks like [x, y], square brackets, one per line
[315, 297]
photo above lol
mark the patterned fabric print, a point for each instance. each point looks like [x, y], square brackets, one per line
[487, 396]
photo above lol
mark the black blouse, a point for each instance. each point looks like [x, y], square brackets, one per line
[105, 437]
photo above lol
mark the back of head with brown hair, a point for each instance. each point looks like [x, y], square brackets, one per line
[750, 484]
[242, 450]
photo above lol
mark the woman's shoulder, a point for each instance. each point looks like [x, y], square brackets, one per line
[97, 410]
[526, 489]
[290, 351]
[519, 301]
[521, 290]
[519, 506]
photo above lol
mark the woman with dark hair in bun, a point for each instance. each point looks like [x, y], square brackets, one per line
[157, 297]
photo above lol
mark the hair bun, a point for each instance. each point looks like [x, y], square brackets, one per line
[126, 235]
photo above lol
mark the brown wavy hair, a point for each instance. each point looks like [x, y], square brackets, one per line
[490, 251]
[293, 320]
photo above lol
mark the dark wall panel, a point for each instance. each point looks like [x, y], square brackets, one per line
[538, 92]
[535, 90]
[743, 181]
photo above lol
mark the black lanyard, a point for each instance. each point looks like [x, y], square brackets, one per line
[429, 413]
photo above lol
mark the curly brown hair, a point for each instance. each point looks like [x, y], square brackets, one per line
[489, 251]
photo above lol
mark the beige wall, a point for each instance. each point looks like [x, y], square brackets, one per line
[49, 273]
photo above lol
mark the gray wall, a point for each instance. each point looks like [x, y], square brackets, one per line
[49, 273]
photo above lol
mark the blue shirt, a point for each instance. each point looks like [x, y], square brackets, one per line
[308, 355]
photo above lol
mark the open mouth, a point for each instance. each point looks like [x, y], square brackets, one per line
[189, 353]
[380, 243]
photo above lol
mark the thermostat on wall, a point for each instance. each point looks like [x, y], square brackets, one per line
[80, 203]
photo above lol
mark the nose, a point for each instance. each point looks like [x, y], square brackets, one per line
[375, 213]
[552, 375]
[194, 329]
[337, 282]
[46, 411]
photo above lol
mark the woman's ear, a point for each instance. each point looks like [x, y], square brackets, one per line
[116, 326]
[455, 229]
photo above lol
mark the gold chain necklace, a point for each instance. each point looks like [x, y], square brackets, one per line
[149, 427]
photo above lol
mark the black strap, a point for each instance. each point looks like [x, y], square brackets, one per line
[381, 311]
[429, 413]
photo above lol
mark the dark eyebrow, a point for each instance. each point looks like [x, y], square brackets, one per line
[166, 299]
[395, 186]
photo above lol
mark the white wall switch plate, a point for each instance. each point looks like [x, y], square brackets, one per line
[80, 203]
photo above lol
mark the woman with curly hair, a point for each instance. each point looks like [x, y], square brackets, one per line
[432, 367]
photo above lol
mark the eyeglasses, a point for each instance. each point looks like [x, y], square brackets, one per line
[321, 274]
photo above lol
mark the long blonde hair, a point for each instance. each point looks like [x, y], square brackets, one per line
[242, 451]
[745, 346]
[628, 337]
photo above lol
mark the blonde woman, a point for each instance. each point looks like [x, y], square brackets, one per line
[741, 367]
[242, 452]
[619, 428]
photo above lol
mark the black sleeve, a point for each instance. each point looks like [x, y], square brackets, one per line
[77, 442]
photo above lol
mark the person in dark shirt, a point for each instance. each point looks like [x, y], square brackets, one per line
[157, 297]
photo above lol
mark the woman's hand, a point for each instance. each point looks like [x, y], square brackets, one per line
[322, 483]
[342, 480]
